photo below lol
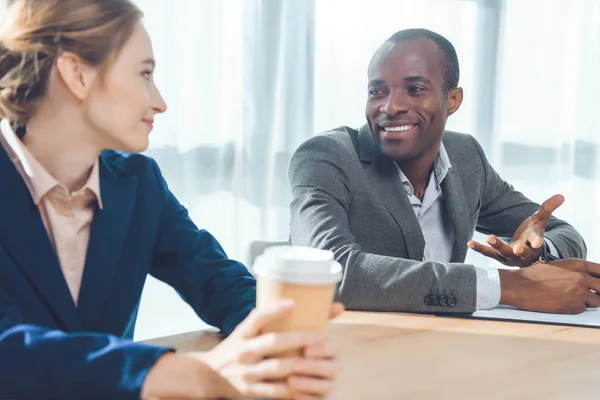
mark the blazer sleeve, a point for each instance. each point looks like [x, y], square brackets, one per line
[320, 176]
[503, 209]
[221, 291]
[40, 363]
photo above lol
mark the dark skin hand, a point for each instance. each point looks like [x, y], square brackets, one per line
[562, 287]
[526, 244]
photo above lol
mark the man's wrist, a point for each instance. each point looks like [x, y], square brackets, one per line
[509, 282]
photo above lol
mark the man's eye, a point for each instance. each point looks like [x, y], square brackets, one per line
[416, 89]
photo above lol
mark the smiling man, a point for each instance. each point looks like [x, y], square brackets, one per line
[399, 199]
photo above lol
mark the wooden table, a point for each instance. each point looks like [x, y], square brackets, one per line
[405, 356]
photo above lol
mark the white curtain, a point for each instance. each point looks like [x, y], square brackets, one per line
[237, 76]
[248, 80]
[546, 129]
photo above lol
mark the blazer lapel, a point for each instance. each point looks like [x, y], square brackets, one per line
[384, 178]
[456, 207]
[107, 237]
[25, 239]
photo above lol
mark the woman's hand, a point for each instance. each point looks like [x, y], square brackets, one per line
[248, 364]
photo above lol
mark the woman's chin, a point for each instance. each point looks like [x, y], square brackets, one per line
[137, 146]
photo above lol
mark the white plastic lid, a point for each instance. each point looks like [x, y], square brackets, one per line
[299, 265]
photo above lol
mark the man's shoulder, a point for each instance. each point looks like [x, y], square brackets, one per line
[324, 157]
[461, 147]
[457, 139]
[342, 133]
[342, 140]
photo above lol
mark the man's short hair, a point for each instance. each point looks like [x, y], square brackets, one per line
[450, 67]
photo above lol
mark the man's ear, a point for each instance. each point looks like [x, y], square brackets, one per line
[453, 101]
[77, 75]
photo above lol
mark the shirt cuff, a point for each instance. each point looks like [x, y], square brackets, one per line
[552, 247]
[488, 288]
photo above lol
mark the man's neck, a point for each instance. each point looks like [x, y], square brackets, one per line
[418, 171]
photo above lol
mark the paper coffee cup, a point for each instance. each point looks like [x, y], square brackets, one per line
[307, 276]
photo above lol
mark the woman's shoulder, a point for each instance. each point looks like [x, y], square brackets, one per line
[122, 163]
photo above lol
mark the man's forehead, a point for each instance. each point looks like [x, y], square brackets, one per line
[419, 55]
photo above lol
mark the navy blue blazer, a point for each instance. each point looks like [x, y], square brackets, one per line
[50, 348]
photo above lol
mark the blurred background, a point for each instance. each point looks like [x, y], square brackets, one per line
[246, 81]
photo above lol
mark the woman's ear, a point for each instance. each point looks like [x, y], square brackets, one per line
[77, 75]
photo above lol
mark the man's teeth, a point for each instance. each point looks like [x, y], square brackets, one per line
[398, 128]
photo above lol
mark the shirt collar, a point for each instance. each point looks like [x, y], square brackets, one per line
[37, 178]
[441, 166]
[93, 183]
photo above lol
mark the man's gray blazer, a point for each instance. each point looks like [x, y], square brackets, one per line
[348, 198]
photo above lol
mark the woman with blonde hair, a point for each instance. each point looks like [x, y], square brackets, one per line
[82, 226]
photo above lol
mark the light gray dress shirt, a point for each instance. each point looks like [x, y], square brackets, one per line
[439, 233]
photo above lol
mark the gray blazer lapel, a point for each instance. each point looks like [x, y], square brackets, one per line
[456, 207]
[384, 178]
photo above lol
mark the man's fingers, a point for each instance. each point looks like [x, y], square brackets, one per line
[535, 240]
[485, 250]
[592, 300]
[259, 318]
[523, 252]
[593, 283]
[502, 248]
[547, 208]
[592, 269]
